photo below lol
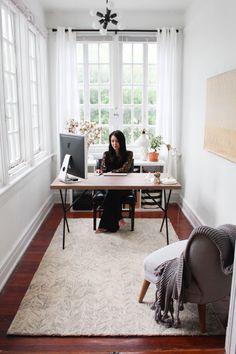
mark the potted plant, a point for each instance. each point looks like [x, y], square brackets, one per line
[155, 144]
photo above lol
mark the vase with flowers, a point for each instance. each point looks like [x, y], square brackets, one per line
[91, 129]
[72, 126]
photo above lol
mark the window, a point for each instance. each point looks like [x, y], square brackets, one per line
[34, 92]
[132, 89]
[94, 66]
[127, 100]
[11, 101]
[23, 86]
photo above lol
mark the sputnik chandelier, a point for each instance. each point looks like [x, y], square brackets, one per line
[103, 20]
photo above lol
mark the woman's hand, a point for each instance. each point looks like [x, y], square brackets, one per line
[98, 172]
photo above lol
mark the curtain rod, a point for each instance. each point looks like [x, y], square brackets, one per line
[109, 30]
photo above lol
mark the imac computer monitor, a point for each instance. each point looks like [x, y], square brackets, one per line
[74, 155]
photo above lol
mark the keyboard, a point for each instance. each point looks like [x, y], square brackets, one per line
[114, 174]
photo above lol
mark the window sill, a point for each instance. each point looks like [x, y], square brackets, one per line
[5, 188]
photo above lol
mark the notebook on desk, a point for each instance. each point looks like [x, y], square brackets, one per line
[115, 174]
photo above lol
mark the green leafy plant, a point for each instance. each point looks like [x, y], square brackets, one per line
[156, 142]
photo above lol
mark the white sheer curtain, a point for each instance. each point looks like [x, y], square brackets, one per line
[169, 43]
[63, 80]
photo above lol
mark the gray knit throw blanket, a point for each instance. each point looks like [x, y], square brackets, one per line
[174, 274]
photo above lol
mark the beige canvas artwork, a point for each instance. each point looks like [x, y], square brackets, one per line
[220, 127]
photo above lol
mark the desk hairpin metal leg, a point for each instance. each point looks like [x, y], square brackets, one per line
[165, 210]
[65, 210]
[165, 217]
[65, 221]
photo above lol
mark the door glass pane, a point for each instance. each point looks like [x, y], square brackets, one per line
[127, 53]
[137, 115]
[94, 115]
[152, 53]
[93, 53]
[137, 94]
[127, 133]
[104, 73]
[137, 74]
[152, 116]
[93, 95]
[127, 116]
[127, 74]
[104, 116]
[126, 95]
[152, 74]
[105, 135]
[80, 73]
[104, 95]
[138, 52]
[151, 96]
[93, 73]
[104, 53]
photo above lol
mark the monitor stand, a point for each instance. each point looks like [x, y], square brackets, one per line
[63, 175]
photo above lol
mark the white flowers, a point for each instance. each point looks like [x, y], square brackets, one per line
[90, 129]
[72, 126]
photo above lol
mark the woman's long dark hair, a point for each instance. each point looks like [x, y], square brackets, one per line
[121, 139]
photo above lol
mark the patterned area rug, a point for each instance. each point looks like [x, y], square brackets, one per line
[91, 287]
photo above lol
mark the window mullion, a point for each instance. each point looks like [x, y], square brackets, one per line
[43, 93]
[86, 82]
[116, 74]
[4, 177]
[39, 94]
[145, 86]
[24, 91]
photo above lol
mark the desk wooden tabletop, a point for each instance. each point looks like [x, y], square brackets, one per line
[131, 181]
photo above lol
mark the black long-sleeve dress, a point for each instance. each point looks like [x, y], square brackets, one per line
[112, 205]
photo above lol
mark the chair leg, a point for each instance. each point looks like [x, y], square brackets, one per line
[130, 211]
[132, 218]
[143, 291]
[202, 317]
[94, 218]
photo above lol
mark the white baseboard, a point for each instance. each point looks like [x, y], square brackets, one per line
[13, 258]
[189, 213]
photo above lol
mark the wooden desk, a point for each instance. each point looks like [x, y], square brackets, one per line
[131, 181]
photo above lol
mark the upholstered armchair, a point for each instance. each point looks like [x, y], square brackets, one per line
[197, 270]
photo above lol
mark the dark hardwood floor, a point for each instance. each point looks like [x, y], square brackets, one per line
[13, 292]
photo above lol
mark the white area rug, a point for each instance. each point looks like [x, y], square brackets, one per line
[91, 287]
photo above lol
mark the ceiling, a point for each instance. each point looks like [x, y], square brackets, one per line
[147, 5]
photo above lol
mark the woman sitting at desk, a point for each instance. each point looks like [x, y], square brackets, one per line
[116, 159]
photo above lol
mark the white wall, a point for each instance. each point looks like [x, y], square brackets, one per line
[131, 19]
[208, 180]
[23, 206]
[36, 9]
[209, 49]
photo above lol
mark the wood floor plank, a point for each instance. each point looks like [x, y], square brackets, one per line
[14, 291]
[158, 351]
